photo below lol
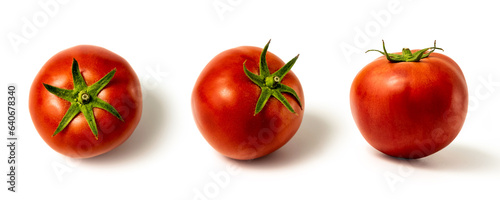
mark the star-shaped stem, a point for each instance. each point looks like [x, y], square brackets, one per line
[83, 99]
[270, 84]
[406, 55]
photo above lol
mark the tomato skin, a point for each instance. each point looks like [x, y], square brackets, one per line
[410, 109]
[224, 100]
[123, 92]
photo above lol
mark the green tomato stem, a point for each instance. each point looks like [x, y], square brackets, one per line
[270, 84]
[83, 99]
[406, 54]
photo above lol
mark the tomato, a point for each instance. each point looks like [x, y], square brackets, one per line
[85, 101]
[412, 105]
[235, 102]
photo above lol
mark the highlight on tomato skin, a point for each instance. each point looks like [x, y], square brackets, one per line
[85, 101]
[409, 104]
[247, 103]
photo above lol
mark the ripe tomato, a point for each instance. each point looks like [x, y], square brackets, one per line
[85, 101]
[238, 111]
[411, 106]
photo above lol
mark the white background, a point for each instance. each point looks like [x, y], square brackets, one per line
[169, 42]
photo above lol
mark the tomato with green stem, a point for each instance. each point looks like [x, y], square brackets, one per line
[247, 103]
[85, 101]
[409, 104]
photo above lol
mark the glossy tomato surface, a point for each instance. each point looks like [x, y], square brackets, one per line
[410, 109]
[123, 92]
[224, 101]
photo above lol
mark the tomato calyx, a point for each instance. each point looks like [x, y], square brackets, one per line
[406, 54]
[270, 84]
[83, 99]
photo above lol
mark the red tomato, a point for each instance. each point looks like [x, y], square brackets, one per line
[410, 109]
[85, 101]
[224, 103]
